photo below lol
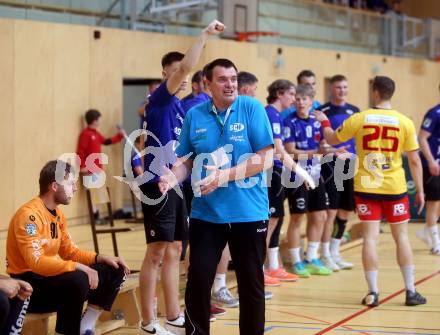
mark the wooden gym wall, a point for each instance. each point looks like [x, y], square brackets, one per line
[52, 73]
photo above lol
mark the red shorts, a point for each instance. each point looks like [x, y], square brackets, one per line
[395, 211]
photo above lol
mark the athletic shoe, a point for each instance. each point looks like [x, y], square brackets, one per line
[176, 326]
[212, 318]
[315, 267]
[329, 263]
[281, 275]
[217, 311]
[299, 269]
[268, 295]
[224, 298]
[342, 264]
[270, 281]
[423, 235]
[436, 250]
[414, 298]
[371, 299]
[153, 327]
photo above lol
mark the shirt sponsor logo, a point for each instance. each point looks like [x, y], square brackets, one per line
[31, 229]
[382, 119]
[427, 122]
[276, 128]
[236, 127]
[237, 138]
[201, 130]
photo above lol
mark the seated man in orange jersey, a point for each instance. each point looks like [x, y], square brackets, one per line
[40, 251]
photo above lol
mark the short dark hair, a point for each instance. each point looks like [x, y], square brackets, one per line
[305, 90]
[92, 115]
[337, 78]
[48, 174]
[171, 57]
[304, 73]
[245, 78]
[222, 62]
[385, 86]
[197, 77]
[278, 87]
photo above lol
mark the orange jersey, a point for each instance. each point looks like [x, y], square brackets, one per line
[38, 241]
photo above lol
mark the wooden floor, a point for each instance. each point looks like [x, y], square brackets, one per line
[324, 305]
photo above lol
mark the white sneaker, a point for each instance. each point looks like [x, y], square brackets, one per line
[224, 298]
[436, 250]
[424, 236]
[342, 264]
[330, 263]
[176, 326]
[153, 327]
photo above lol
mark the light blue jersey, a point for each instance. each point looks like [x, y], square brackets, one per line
[226, 139]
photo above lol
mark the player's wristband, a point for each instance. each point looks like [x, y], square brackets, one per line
[325, 124]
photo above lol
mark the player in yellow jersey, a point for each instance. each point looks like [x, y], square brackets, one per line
[382, 134]
[41, 252]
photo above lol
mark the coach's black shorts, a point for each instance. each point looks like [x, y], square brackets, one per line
[431, 184]
[166, 221]
[276, 194]
[343, 199]
[302, 200]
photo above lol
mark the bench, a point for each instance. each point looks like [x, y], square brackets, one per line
[125, 307]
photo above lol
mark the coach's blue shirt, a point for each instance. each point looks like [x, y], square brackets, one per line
[306, 134]
[337, 115]
[285, 113]
[163, 119]
[192, 100]
[275, 123]
[431, 124]
[246, 130]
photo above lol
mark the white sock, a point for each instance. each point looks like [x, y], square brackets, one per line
[295, 255]
[334, 247]
[312, 250]
[433, 232]
[272, 255]
[408, 277]
[325, 249]
[219, 281]
[89, 319]
[371, 277]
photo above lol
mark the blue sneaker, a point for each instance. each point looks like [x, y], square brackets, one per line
[299, 269]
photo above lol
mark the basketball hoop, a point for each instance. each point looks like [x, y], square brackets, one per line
[245, 35]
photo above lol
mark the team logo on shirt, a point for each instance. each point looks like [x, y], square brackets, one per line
[236, 127]
[427, 122]
[31, 229]
[31, 217]
[349, 111]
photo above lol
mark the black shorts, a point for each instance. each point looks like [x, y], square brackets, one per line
[276, 194]
[338, 199]
[302, 200]
[431, 184]
[166, 221]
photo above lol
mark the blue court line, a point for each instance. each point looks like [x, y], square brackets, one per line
[268, 329]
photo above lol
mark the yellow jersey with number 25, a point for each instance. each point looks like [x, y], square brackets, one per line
[381, 136]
